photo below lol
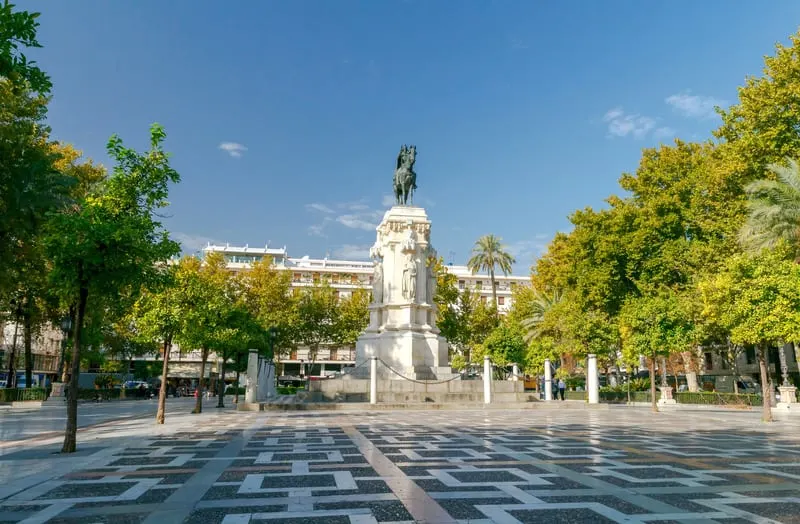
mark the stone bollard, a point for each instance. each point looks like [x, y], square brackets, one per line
[373, 380]
[548, 380]
[788, 399]
[251, 392]
[487, 380]
[515, 372]
[666, 397]
[592, 381]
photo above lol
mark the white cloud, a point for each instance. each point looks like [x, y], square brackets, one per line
[695, 106]
[663, 132]
[387, 201]
[352, 252]
[357, 206]
[526, 250]
[365, 221]
[191, 243]
[319, 207]
[233, 149]
[318, 230]
[623, 124]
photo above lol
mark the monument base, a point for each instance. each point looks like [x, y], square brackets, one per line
[404, 354]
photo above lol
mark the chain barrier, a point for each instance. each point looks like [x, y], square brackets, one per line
[352, 369]
[426, 382]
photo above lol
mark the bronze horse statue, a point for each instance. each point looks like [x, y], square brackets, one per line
[405, 179]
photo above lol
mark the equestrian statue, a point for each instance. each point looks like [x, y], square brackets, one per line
[405, 179]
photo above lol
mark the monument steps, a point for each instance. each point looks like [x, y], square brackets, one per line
[420, 406]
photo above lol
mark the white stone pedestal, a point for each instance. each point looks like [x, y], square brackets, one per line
[788, 399]
[666, 397]
[402, 331]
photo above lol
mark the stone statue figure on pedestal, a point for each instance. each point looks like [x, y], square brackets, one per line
[430, 275]
[405, 179]
[377, 282]
[410, 278]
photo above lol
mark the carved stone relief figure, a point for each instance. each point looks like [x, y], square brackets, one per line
[410, 278]
[377, 282]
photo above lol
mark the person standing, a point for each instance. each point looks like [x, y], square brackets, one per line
[562, 387]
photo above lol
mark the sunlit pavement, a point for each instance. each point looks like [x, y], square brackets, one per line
[618, 465]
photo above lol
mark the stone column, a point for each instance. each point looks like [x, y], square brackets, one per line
[487, 380]
[252, 377]
[548, 380]
[373, 380]
[515, 372]
[592, 382]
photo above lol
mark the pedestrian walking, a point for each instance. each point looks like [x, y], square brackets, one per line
[562, 387]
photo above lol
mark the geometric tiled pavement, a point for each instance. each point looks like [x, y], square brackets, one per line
[621, 465]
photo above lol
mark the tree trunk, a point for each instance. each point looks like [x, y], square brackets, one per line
[236, 381]
[63, 370]
[494, 291]
[198, 405]
[653, 383]
[27, 324]
[766, 410]
[11, 378]
[236, 385]
[691, 374]
[221, 392]
[162, 393]
[70, 435]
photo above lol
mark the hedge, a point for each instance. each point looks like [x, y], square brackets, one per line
[719, 399]
[21, 394]
[289, 390]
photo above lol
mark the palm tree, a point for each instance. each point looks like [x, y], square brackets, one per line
[774, 210]
[487, 254]
[541, 304]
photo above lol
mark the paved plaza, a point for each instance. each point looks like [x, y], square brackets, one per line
[537, 465]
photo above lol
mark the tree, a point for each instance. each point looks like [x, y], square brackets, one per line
[18, 30]
[267, 295]
[774, 215]
[158, 316]
[505, 345]
[206, 291]
[111, 242]
[315, 316]
[757, 299]
[487, 254]
[653, 326]
[352, 318]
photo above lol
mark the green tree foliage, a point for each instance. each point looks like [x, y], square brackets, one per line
[158, 317]
[761, 129]
[316, 317]
[505, 345]
[653, 326]
[757, 300]
[267, 294]
[489, 254]
[774, 211]
[352, 318]
[111, 242]
[204, 287]
[18, 31]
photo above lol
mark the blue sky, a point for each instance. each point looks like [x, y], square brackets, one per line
[285, 118]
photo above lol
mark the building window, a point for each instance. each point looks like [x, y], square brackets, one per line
[750, 356]
[709, 358]
[296, 277]
[460, 284]
[483, 300]
[479, 284]
[501, 301]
